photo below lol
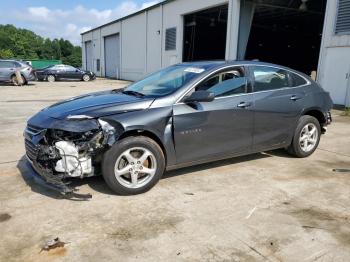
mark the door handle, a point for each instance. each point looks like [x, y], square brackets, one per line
[295, 97]
[244, 104]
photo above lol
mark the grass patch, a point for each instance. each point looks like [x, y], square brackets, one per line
[346, 112]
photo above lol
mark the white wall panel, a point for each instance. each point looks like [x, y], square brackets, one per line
[154, 39]
[334, 51]
[142, 36]
[133, 47]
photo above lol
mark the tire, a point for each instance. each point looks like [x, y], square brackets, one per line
[15, 82]
[86, 78]
[122, 171]
[303, 143]
[51, 78]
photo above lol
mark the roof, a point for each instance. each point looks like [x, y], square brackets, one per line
[162, 2]
[214, 64]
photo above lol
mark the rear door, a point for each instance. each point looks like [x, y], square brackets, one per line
[278, 104]
[2, 71]
[7, 69]
[57, 70]
[205, 130]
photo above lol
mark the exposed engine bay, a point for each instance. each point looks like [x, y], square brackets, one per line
[60, 154]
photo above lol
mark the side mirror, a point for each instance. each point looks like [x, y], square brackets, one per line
[200, 96]
[77, 70]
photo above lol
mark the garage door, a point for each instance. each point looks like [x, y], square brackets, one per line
[112, 56]
[336, 75]
[88, 55]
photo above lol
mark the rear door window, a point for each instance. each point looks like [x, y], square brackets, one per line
[7, 64]
[269, 78]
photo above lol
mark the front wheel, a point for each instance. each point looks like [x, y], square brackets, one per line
[51, 78]
[86, 78]
[306, 137]
[133, 165]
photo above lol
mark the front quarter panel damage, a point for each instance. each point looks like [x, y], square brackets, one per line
[68, 148]
[155, 121]
[74, 147]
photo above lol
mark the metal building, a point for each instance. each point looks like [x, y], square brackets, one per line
[312, 36]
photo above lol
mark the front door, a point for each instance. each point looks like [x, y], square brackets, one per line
[71, 72]
[204, 130]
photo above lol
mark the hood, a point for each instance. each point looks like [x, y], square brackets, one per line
[87, 72]
[97, 105]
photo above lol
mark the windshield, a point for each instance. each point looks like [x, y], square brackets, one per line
[46, 67]
[165, 81]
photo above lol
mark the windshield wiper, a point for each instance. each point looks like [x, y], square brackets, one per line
[133, 93]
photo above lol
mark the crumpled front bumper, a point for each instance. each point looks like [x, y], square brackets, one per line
[47, 180]
[51, 182]
[329, 118]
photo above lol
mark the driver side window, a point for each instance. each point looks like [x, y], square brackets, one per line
[227, 83]
[69, 69]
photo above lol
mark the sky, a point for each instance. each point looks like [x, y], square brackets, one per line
[66, 19]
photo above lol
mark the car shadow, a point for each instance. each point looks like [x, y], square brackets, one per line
[279, 153]
[98, 184]
[10, 84]
[215, 164]
[27, 172]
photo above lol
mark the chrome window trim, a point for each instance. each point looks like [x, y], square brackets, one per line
[200, 80]
[308, 82]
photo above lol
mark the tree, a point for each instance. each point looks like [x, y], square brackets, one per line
[25, 44]
[6, 53]
[75, 58]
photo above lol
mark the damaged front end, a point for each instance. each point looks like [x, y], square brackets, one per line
[72, 147]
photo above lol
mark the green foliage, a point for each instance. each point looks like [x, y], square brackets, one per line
[346, 111]
[5, 53]
[25, 44]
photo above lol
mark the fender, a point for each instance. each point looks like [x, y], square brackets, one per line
[158, 122]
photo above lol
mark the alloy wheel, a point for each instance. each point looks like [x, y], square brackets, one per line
[135, 167]
[51, 78]
[308, 137]
[86, 78]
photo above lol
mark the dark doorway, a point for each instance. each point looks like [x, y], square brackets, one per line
[287, 32]
[205, 34]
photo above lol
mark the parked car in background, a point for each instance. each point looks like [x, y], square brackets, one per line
[63, 72]
[183, 115]
[8, 71]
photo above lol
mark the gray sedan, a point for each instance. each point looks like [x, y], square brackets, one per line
[183, 115]
[8, 71]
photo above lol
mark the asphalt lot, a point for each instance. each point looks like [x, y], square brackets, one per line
[263, 207]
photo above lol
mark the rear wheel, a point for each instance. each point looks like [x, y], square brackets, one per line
[133, 165]
[306, 137]
[15, 81]
[51, 78]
